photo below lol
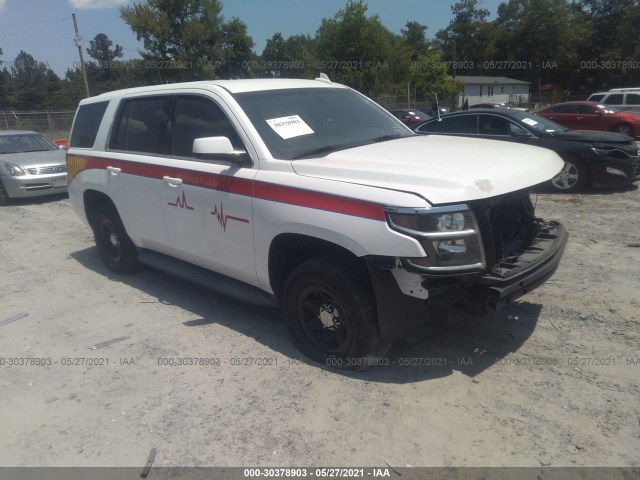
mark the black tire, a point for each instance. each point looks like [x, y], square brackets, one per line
[114, 245]
[624, 129]
[573, 177]
[331, 312]
[5, 199]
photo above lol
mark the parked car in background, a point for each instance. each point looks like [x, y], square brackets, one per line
[488, 105]
[408, 116]
[30, 166]
[430, 112]
[61, 142]
[593, 116]
[595, 158]
[621, 99]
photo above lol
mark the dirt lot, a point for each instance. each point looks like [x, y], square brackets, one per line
[552, 380]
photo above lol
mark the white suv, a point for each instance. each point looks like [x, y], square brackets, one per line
[621, 99]
[305, 194]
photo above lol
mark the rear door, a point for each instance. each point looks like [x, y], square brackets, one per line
[138, 146]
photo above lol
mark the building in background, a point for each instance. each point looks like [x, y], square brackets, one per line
[480, 89]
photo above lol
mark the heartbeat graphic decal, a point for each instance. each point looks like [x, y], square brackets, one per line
[222, 218]
[181, 202]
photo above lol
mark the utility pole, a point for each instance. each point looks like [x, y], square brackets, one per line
[455, 57]
[78, 41]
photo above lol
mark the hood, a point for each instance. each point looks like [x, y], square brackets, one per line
[32, 159]
[591, 136]
[441, 169]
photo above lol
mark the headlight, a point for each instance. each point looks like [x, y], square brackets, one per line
[13, 169]
[449, 236]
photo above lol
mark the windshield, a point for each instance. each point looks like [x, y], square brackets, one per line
[608, 109]
[541, 124]
[25, 142]
[301, 122]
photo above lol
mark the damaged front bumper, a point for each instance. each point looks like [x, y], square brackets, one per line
[514, 277]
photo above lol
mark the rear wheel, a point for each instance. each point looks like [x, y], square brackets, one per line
[114, 245]
[572, 178]
[624, 129]
[332, 315]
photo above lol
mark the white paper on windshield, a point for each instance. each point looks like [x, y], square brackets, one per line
[529, 121]
[289, 127]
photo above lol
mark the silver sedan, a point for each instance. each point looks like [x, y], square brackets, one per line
[30, 166]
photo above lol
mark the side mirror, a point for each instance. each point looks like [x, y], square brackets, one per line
[599, 112]
[219, 148]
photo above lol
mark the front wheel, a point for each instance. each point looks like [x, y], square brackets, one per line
[114, 245]
[624, 129]
[572, 178]
[332, 314]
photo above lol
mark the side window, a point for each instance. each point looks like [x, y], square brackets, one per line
[614, 99]
[143, 125]
[515, 129]
[492, 125]
[633, 99]
[466, 124]
[564, 109]
[586, 109]
[198, 117]
[86, 124]
[427, 127]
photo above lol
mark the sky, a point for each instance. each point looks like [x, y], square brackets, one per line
[44, 28]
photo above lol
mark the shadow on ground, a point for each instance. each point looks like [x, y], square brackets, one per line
[457, 343]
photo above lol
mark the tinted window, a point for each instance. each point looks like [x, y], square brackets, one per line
[564, 109]
[633, 99]
[586, 109]
[143, 125]
[596, 98]
[458, 124]
[197, 117]
[86, 124]
[492, 125]
[614, 99]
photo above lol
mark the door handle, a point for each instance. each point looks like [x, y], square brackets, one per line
[174, 182]
[114, 170]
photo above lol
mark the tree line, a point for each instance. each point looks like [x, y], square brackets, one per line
[579, 46]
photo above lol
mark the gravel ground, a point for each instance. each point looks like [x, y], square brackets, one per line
[551, 380]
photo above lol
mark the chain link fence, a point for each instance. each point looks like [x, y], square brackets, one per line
[51, 124]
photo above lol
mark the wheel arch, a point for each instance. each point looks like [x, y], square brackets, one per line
[92, 199]
[615, 128]
[288, 250]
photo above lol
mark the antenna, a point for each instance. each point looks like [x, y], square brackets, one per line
[323, 78]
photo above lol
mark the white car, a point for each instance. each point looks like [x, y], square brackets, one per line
[305, 194]
[31, 165]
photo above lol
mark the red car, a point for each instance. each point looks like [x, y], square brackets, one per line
[409, 116]
[61, 142]
[593, 116]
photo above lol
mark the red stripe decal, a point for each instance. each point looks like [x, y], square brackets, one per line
[250, 188]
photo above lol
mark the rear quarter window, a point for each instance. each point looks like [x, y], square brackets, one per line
[86, 124]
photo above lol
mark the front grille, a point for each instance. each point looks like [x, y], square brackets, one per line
[508, 225]
[47, 170]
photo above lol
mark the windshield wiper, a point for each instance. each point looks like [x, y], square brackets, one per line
[37, 150]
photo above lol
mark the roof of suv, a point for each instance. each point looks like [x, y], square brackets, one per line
[232, 86]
